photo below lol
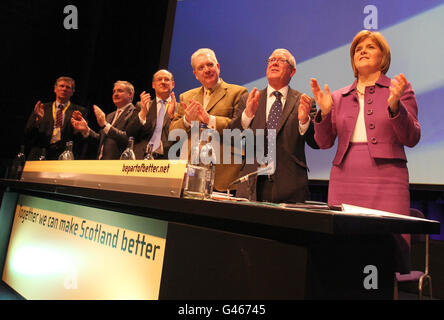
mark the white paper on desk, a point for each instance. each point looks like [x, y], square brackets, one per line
[348, 208]
[224, 196]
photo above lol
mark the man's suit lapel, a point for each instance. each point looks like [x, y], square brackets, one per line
[288, 108]
[110, 117]
[49, 115]
[120, 119]
[123, 116]
[260, 117]
[198, 96]
[166, 116]
[216, 96]
[152, 113]
[67, 117]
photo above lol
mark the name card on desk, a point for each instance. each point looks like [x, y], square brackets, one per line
[155, 177]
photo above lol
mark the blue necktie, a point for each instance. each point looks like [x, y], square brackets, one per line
[273, 119]
[155, 139]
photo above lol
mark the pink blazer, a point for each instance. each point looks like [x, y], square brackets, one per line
[386, 136]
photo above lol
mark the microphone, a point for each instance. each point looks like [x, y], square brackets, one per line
[243, 178]
[269, 169]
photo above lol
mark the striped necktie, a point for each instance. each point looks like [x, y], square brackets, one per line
[59, 116]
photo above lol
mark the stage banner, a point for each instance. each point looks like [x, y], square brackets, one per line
[59, 250]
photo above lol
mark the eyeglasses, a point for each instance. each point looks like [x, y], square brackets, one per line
[278, 60]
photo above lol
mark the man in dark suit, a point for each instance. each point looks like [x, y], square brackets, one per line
[152, 124]
[49, 126]
[112, 139]
[278, 108]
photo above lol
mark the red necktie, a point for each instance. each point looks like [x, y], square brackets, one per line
[59, 116]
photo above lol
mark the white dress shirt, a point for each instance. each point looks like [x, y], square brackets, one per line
[158, 105]
[116, 116]
[359, 133]
[271, 98]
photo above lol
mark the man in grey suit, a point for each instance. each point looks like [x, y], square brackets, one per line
[112, 138]
[277, 107]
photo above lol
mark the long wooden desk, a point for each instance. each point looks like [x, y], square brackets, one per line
[234, 250]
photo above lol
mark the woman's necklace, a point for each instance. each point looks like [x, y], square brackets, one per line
[359, 91]
[362, 84]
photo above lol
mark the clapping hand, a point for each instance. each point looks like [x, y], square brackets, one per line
[304, 108]
[145, 100]
[172, 106]
[323, 100]
[397, 88]
[39, 111]
[78, 122]
[100, 116]
[194, 111]
[77, 115]
[252, 103]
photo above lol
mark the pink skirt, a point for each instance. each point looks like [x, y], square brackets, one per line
[381, 184]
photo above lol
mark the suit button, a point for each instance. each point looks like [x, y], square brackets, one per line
[374, 141]
[370, 101]
[371, 125]
[370, 112]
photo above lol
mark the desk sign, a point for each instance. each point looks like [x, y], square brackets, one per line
[59, 250]
[156, 177]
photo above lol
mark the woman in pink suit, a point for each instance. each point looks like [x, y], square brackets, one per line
[373, 119]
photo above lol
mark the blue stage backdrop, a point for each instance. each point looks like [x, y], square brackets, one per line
[243, 33]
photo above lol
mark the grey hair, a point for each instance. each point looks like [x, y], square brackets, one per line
[291, 60]
[128, 85]
[203, 51]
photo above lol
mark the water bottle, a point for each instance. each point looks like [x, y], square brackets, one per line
[208, 159]
[43, 155]
[149, 152]
[199, 180]
[195, 153]
[128, 154]
[67, 154]
[18, 164]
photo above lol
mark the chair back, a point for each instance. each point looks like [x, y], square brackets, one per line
[415, 238]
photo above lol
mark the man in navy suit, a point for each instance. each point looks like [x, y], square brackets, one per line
[49, 126]
[112, 139]
[152, 124]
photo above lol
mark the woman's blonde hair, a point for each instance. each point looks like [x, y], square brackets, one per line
[380, 41]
